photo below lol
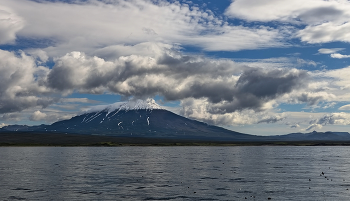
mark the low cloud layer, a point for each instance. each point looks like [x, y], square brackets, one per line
[224, 84]
[226, 87]
[330, 119]
[48, 117]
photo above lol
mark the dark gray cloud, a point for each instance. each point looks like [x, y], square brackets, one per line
[310, 99]
[272, 119]
[226, 85]
[330, 119]
[223, 87]
[321, 14]
[255, 87]
[313, 126]
[10, 117]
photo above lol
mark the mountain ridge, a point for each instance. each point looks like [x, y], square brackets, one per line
[146, 119]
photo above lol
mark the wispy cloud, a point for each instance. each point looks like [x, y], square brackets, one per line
[324, 21]
[329, 50]
[339, 56]
[80, 27]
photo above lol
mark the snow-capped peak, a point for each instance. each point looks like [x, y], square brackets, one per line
[148, 104]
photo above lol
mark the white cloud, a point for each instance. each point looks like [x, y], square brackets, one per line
[10, 24]
[326, 21]
[341, 118]
[175, 77]
[40, 55]
[295, 11]
[49, 116]
[3, 125]
[200, 109]
[37, 116]
[329, 105]
[224, 84]
[339, 81]
[326, 32]
[339, 56]
[329, 50]
[87, 25]
[77, 100]
[22, 83]
[326, 120]
[333, 52]
[313, 127]
[344, 107]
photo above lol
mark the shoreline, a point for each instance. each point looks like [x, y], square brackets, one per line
[23, 139]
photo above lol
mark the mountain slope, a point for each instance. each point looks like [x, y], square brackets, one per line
[138, 119]
[156, 123]
[146, 119]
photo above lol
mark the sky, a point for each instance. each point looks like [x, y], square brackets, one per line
[264, 67]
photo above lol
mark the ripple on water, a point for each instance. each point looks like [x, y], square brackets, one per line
[160, 173]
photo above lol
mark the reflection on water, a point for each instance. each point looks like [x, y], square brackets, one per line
[174, 173]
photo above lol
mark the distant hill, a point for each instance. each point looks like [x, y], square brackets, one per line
[146, 119]
[315, 136]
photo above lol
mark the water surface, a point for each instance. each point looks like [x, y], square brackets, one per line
[174, 173]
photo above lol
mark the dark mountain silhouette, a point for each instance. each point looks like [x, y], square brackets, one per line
[315, 136]
[137, 119]
[146, 119]
[155, 123]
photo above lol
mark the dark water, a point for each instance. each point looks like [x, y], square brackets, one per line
[174, 173]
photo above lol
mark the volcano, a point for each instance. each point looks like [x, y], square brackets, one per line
[147, 120]
[142, 118]
[137, 118]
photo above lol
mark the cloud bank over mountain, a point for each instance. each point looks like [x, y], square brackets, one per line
[218, 65]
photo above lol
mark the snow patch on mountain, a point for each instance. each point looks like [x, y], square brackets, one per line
[148, 104]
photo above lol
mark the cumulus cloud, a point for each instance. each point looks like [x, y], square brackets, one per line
[295, 126]
[3, 125]
[330, 119]
[227, 87]
[338, 82]
[326, 32]
[200, 109]
[225, 84]
[39, 54]
[221, 90]
[10, 117]
[312, 98]
[37, 116]
[313, 127]
[49, 117]
[22, 83]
